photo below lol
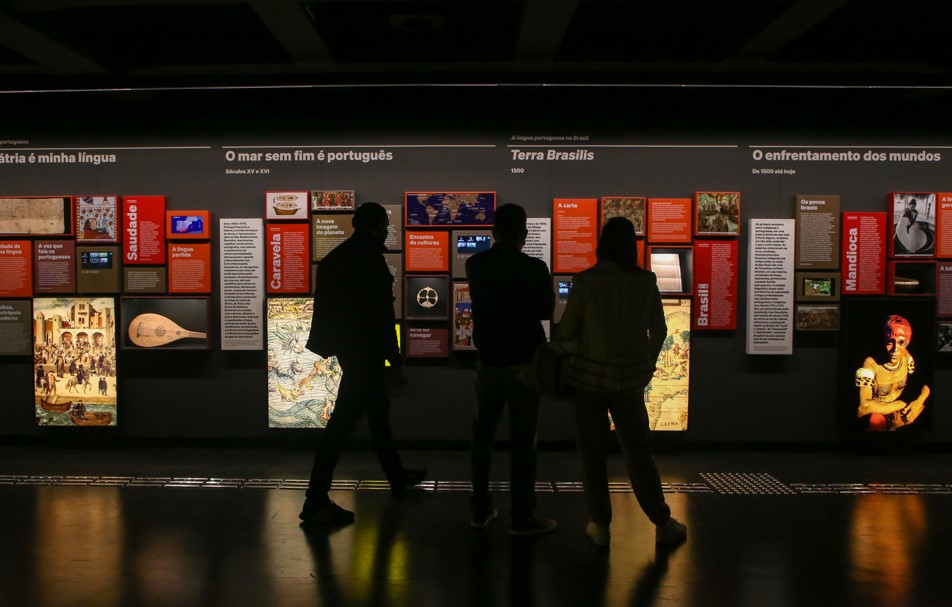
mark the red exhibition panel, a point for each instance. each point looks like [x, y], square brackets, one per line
[669, 219]
[943, 225]
[575, 222]
[143, 230]
[715, 284]
[16, 268]
[287, 258]
[864, 253]
[427, 251]
[190, 267]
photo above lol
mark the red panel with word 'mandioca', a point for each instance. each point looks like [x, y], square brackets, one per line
[864, 253]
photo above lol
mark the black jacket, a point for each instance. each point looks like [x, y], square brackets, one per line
[353, 304]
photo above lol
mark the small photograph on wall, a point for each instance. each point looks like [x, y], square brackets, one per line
[944, 336]
[36, 215]
[332, 200]
[886, 378]
[74, 361]
[631, 208]
[817, 287]
[302, 386]
[817, 317]
[165, 323]
[286, 206]
[450, 208]
[97, 218]
[913, 224]
[718, 214]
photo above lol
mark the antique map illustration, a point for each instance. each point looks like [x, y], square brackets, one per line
[666, 397]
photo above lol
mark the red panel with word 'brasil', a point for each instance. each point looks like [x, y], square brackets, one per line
[864, 253]
[715, 284]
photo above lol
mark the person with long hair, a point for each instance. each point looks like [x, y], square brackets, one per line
[615, 315]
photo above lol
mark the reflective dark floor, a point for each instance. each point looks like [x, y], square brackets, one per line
[219, 527]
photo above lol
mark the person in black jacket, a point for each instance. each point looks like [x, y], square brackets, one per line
[353, 319]
[511, 293]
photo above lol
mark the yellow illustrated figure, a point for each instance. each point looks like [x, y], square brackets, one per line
[881, 385]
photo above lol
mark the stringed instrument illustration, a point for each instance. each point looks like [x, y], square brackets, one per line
[151, 330]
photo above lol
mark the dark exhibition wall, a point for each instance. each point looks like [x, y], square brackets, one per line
[664, 142]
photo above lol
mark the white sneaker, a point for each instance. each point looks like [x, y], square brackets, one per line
[600, 534]
[671, 531]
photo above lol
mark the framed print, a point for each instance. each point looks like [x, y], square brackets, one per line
[462, 317]
[459, 209]
[631, 208]
[187, 225]
[817, 286]
[809, 317]
[332, 200]
[286, 206]
[888, 363]
[302, 386]
[97, 218]
[165, 323]
[426, 298]
[717, 214]
[36, 215]
[674, 267]
[913, 224]
[74, 361]
[944, 336]
[911, 278]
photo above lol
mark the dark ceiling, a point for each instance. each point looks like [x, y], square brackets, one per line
[63, 44]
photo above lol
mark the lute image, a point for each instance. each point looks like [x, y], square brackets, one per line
[152, 330]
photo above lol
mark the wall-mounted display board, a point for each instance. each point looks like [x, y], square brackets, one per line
[145, 279]
[99, 269]
[462, 317]
[460, 209]
[631, 208]
[332, 200]
[425, 341]
[770, 286]
[242, 284]
[817, 287]
[427, 298]
[427, 251]
[575, 222]
[16, 268]
[327, 231]
[287, 261]
[143, 230]
[669, 220]
[886, 376]
[302, 386]
[190, 267]
[913, 224]
[864, 253]
[165, 323]
[715, 284]
[944, 289]
[187, 225]
[287, 206]
[943, 225]
[97, 218]
[539, 239]
[666, 397]
[395, 265]
[674, 268]
[54, 266]
[74, 369]
[718, 214]
[36, 215]
[16, 327]
[466, 243]
[818, 232]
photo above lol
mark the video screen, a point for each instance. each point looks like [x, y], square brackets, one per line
[472, 244]
[565, 286]
[187, 224]
[96, 260]
[818, 287]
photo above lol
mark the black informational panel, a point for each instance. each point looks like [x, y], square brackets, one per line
[221, 150]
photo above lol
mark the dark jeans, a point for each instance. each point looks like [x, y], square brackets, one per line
[592, 432]
[495, 387]
[363, 390]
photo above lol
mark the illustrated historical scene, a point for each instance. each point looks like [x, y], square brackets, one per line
[462, 317]
[631, 208]
[462, 209]
[74, 361]
[718, 213]
[97, 218]
[666, 397]
[302, 386]
[913, 224]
